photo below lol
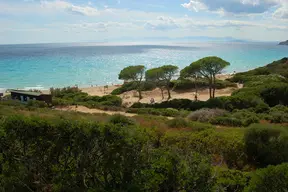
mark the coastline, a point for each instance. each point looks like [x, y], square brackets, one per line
[131, 97]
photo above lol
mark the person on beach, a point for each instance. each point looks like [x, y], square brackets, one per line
[152, 101]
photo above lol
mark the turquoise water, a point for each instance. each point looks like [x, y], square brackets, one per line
[58, 65]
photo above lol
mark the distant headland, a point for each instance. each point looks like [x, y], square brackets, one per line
[284, 43]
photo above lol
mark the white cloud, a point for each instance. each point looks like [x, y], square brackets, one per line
[282, 10]
[195, 5]
[250, 2]
[240, 8]
[96, 27]
[69, 7]
[185, 23]
[162, 23]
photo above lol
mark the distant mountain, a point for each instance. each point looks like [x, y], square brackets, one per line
[284, 43]
[180, 39]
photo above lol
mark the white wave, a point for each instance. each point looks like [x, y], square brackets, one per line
[37, 87]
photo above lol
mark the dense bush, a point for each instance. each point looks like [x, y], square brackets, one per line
[61, 155]
[37, 104]
[192, 125]
[175, 104]
[146, 86]
[186, 84]
[161, 112]
[275, 94]
[178, 123]
[231, 180]
[122, 120]
[278, 114]
[272, 178]
[227, 121]
[205, 115]
[228, 147]
[62, 92]
[74, 96]
[266, 144]
[16, 103]
[228, 103]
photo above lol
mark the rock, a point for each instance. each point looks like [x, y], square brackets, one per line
[284, 43]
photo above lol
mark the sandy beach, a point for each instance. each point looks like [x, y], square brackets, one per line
[131, 97]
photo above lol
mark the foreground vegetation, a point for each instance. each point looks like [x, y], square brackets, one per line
[47, 150]
[227, 144]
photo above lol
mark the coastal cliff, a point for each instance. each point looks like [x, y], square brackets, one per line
[284, 43]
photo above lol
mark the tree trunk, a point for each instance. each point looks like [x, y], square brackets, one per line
[140, 94]
[214, 88]
[162, 93]
[169, 94]
[140, 89]
[210, 88]
[196, 91]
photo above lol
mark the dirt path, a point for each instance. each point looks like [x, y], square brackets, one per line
[97, 111]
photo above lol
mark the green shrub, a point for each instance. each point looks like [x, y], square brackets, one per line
[160, 112]
[278, 114]
[205, 115]
[229, 146]
[74, 96]
[272, 178]
[15, 103]
[60, 102]
[275, 94]
[227, 121]
[198, 126]
[178, 123]
[231, 180]
[43, 154]
[186, 84]
[242, 102]
[278, 117]
[261, 108]
[266, 144]
[121, 120]
[61, 92]
[36, 104]
[250, 120]
[228, 103]
[146, 86]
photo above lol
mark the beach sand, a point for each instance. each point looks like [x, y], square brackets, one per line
[131, 97]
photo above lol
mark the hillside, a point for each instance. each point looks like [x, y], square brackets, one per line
[279, 67]
[284, 43]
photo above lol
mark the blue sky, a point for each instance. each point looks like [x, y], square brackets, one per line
[43, 21]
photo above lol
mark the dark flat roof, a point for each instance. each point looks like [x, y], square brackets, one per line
[26, 92]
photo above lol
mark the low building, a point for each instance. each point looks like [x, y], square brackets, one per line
[25, 96]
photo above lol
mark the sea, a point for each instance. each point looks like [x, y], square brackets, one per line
[41, 66]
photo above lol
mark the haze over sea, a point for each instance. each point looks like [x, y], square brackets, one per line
[59, 65]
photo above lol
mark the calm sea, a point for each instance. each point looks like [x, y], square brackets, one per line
[58, 65]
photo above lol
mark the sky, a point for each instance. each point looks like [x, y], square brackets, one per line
[57, 21]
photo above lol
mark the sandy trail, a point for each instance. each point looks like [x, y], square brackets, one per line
[83, 109]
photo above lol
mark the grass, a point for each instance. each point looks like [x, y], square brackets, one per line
[145, 121]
